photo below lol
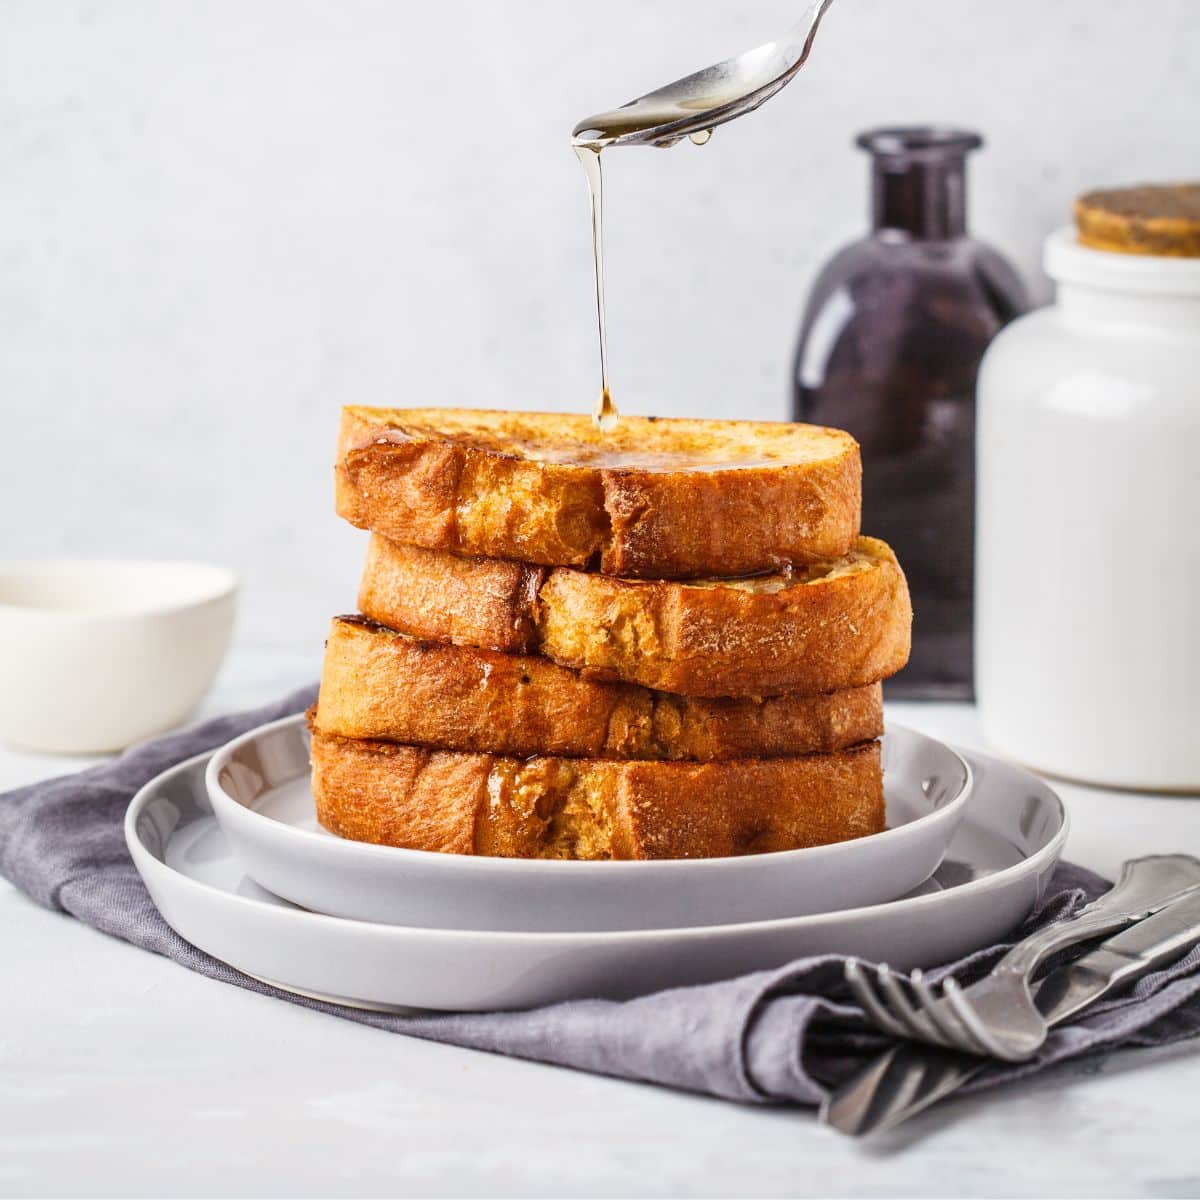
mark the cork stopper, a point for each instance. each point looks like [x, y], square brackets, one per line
[1162, 219]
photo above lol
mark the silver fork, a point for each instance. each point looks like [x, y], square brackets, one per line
[947, 1020]
[996, 1016]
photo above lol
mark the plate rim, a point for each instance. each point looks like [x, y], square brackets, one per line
[949, 813]
[149, 863]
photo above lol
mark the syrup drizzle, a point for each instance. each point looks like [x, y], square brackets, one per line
[587, 149]
[605, 414]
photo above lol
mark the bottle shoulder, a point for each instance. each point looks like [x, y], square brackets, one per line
[1041, 324]
[884, 254]
[881, 270]
[1052, 331]
[1043, 359]
[1001, 273]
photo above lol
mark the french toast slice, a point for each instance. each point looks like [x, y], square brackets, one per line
[384, 685]
[822, 628]
[653, 498]
[546, 807]
[488, 602]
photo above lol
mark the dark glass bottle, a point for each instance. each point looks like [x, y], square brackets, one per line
[889, 348]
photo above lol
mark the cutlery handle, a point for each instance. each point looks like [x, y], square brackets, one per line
[1145, 947]
[1145, 886]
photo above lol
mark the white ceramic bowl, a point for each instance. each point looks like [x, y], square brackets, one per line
[97, 655]
[259, 787]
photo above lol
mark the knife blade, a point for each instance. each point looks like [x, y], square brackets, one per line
[1123, 958]
[907, 1079]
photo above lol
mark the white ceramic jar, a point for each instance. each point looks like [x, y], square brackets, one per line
[1088, 543]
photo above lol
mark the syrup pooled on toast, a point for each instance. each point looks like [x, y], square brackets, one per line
[588, 141]
[606, 455]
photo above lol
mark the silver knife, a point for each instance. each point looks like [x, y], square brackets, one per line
[908, 1079]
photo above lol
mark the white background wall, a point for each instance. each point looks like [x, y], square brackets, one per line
[221, 220]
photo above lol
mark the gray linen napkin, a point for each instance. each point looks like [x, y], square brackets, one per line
[781, 1036]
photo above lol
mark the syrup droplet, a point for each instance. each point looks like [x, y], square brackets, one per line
[700, 136]
[605, 416]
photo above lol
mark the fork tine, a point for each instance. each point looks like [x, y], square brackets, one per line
[927, 1004]
[910, 1015]
[950, 1031]
[983, 1042]
[902, 1008]
[858, 983]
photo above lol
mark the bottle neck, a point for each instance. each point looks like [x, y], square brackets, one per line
[925, 199]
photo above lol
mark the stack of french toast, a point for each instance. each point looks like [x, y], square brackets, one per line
[662, 641]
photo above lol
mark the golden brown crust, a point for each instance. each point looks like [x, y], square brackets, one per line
[379, 684]
[472, 601]
[398, 795]
[1159, 219]
[660, 499]
[826, 628]
[836, 631]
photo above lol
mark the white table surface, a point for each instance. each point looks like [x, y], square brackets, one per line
[124, 1074]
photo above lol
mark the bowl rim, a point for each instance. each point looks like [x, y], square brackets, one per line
[227, 807]
[1040, 862]
[221, 583]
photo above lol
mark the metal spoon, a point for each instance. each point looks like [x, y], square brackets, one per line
[691, 106]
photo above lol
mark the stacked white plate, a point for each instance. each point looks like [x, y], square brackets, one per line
[230, 850]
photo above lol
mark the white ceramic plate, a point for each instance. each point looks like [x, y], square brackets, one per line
[998, 864]
[259, 789]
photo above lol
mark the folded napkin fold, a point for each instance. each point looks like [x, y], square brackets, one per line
[780, 1036]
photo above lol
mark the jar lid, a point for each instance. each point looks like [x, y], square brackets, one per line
[1156, 219]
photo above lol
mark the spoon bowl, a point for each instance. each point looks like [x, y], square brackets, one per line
[693, 105]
